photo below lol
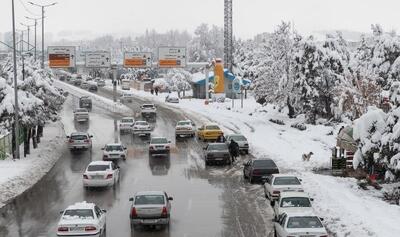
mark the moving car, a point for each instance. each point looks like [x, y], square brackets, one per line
[240, 140]
[159, 146]
[171, 99]
[85, 102]
[299, 224]
[81, 115]
[141, 128]
[125, 84]
[292, 201]
[101, 174]
[101, 83]
[114, 152]
[259, 169]
[278, 183]
[79, 140]
[209, 132]
[126, 124]
[62, 78]
[84, 85]
[185, 128]
[82, 219]
[150, 208]
[148, 110]
[126, 97]
[92, 87]
[217, 153]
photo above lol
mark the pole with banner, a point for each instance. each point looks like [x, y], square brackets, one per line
[235, 89]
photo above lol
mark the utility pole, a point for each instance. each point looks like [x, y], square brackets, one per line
[16, 109]
[228, 35]
[43, 6]
[114, 67]
[35, 44]
[28, 28]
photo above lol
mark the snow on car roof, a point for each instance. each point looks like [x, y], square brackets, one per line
[299, 213]
[100, 162]
[114, 144]
[293, 194]
[128, 118]
[81, 205]
[79, 133]
[284, 175]
[149, 193]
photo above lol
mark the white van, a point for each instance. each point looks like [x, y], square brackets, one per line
[126, 84]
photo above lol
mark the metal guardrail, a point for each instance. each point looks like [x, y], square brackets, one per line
[5, 145]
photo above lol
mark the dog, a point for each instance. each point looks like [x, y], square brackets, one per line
[306, 157]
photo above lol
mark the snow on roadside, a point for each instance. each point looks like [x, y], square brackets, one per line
[347, 210]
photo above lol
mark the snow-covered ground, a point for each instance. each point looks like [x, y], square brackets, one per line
[347, 210]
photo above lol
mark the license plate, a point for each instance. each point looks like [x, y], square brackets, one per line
[307, 235]
[97, 176]
[149, 221]
[76, 228]
[218, 158]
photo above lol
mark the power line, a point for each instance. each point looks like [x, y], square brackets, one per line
[27, 9]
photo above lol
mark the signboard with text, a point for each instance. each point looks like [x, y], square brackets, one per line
[236, 86]
[170, 57]
[99, 59]
[61, 56]
[137, 59]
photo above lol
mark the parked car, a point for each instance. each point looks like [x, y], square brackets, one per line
[148, 110]
[85, 102]
[93, 87]
[259, 169]
[240, 140]
[171, 99]
[299, 224]
[84, 85]
[62, 78]
[68, 78]
[159, 146]
[142, 128]
[77, 81]
[101, 83]
[278, 183]
[81, 115]
[185, 128]
[209, 132]
[292, 202]
[127, 97]
[125, 84]
[126, 124]
[82, 219]
[101, 174]
[79, 140]
[114, 152]
[217, 153]
[150, 208]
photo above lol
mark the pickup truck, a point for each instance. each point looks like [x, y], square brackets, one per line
[148, 110]
[81, 115]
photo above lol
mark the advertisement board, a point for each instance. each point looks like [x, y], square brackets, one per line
[219, 79]
[137, 59]
[99, 59]
[171, 57]
[61, 56]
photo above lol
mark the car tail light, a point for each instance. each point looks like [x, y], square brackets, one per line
[276, 192]
[90, 228]
[85, 176]
[71, 141]
[104, 156]
[87, 141]
[151, 147]
[62, 229]
[123, 155]
[256, 171]
[164, 212]
[167, 147]
[109, 176]
[133, 212]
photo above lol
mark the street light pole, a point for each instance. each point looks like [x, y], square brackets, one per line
[43, 6]
[35, 19]
[28, 28]
[16, 109]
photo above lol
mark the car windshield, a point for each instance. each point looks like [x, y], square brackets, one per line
[81, 110]
[286, 181]
[159, 140]
[79, 137]
[114, 148]
[304, 222]
[184, 123]
[80, 213]
[149, 200]
[141, 123]
[264, 163]
[127, 95]
[148, 106]
[295, 202]
[127, 120]
[238, 138]
[98, 167]
[212, 127]
[217, 147]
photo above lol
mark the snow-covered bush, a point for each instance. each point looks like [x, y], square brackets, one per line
[178, 80]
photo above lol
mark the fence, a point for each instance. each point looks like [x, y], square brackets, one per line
[5, 145]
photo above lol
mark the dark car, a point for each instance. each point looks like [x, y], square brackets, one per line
[92, 88]
[217, 153]
[85, 102]
[259, 169]
[62, 78]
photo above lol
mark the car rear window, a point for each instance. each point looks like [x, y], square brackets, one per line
[79, 213]
[160, 140]
[239, 138]
[81, 110]
[304, 222]
[149, 200]
[114, 148]
[217, 147]
[286, 181]
[185, 123]
[141, 123]
[264, 163]
[127, 120]
[295, 202]
[98, 167]
[148, 106]
[212, 127]
[79, 137]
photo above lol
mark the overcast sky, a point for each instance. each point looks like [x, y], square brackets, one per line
[250, 16]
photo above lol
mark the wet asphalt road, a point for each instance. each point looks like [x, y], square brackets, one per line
[212, 201]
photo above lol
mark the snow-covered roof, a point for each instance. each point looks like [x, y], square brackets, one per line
[293, 194]
[283, 175]
[81, 205]
[149, 193]
[114, 144]
[100, 162]
[79, 133]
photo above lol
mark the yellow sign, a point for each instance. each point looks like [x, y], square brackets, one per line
[219, 77]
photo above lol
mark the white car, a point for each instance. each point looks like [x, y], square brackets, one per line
[79, 140]
[81, 115]
[125, 84]
[126, 124]
[185, 128]
[101, 174]
[278, 183]
[292, 201]
[142, 128]
[299, 224]
[114, 151]
[240, 140]
[101, 83]
[159, 146]
[171, 99]
[127, 97]
[148, 111]
[82, 219]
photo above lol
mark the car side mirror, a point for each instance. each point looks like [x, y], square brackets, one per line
[103, 210]
[125, 148]
[300, 180]
[91, 136]
[170, 198]
[312, 199]
[102, 148]
[322, 219]
[61, 212]
[131, 199]
[68, 136]
[272, 203]
[169, 141]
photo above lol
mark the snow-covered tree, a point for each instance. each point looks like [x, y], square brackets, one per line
[178, 80]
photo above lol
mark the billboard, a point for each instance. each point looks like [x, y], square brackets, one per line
[219, 80]
[101, 59]
[61, 56]
[137, 59]
[170, 57]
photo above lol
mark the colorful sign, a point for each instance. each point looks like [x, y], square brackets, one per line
[137, 59]
[236, 86]
[170, 57]
[61, 56]
[219, 79]
[98, 59]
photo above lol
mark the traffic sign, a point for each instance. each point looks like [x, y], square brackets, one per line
[99, 59]
[236, 85]
[170, 57]
[137, 59]
[61, 56]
